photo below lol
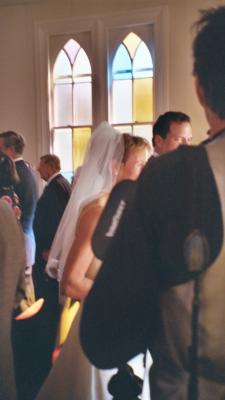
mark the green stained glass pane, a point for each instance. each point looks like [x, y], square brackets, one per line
[81, 137]
[62, 145]
[62, 67]
[144, 131]
[132, 41]
[143, 100]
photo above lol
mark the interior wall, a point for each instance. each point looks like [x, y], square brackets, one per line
[18, 109]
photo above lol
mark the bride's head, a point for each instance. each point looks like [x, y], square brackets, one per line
[96, 176]
[136, 153]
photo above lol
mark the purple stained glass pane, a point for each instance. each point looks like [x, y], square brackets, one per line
[62, 66]
[82, 64]
[72, 48]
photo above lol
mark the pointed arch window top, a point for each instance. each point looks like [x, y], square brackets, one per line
[132, 41]
[72, 48]
[142, 63]
[82, 67]
[122, 68]
[62, 67]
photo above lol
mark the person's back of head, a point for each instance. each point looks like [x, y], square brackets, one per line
[8, 174]
[133, 142]
[48, 166]
[52, 160]
[136, 153]
[209, 60]
[12, 143]
[170, 130]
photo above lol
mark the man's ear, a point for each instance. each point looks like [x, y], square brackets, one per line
[199, 91]
[158, 142]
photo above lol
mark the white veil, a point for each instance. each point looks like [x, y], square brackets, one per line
[96, 176]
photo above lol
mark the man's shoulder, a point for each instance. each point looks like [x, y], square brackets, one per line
[25, 172]
[175, 161]
[60, 183]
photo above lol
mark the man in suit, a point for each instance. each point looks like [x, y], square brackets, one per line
[50, 206]
[171, 130]
[12, 256]
[161, 285]
[49, 210]
[13, 144]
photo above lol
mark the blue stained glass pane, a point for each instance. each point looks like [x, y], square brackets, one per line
[142, 64]
[121, 67]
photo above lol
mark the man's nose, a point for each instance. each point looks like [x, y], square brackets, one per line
[186, 141]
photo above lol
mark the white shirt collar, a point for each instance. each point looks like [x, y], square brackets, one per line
[52, 177]
[18, 159]
[155, 154]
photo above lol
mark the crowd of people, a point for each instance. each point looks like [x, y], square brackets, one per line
[137, 239]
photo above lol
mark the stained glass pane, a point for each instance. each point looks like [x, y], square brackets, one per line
[72, 48]
[82, 104]
[81, 137]
[121, 67]
[142, 100]
[142, 64]
[123, 128]
[62, 105]
[62, 147]
[81, 66]
[144, 131]
[132, 41]
[62, 67]
[122, 101]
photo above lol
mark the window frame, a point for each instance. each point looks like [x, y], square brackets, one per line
[102, 29]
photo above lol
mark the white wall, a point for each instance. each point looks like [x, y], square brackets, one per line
[18, 91]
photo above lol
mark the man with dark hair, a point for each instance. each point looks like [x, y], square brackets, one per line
[170, 131]
[13, 144]
[161, 285]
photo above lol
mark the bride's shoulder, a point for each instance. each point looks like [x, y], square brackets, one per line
[99, 201]
[91, 211]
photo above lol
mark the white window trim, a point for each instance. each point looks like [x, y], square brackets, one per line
[99, 25]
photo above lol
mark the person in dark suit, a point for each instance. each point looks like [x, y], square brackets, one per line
[50, 206]
[49, 210]
[13, 144]
[161, 285]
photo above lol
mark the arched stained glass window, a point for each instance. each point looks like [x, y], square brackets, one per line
[132, 87]
[72, 99]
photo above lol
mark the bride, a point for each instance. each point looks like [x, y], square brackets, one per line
[110, 157]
